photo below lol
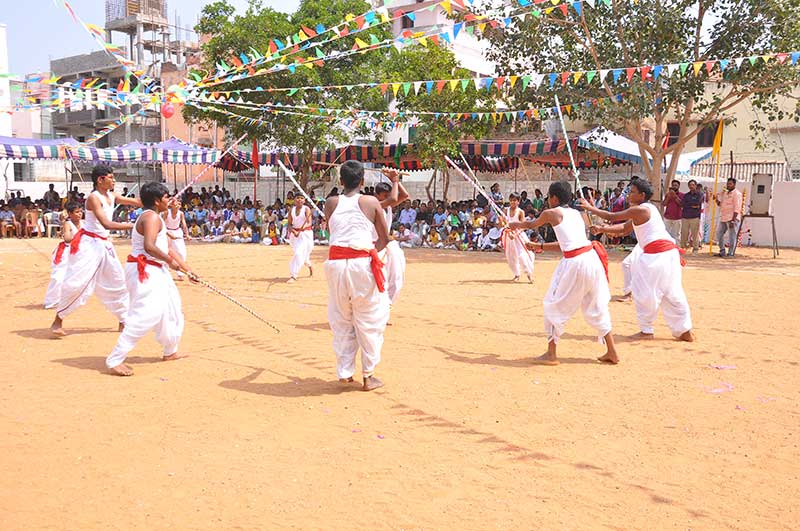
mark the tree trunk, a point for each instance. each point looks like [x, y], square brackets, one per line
[446, 185]
[428, 186]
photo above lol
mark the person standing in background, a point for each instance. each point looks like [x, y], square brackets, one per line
[691, 208]
[673, 210]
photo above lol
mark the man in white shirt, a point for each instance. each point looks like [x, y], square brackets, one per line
[407, 216]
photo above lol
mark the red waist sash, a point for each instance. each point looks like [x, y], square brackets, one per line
[75, 244]
[142, 262]
[662, 246]
[346, 253]
[598, 248]
[59, 252]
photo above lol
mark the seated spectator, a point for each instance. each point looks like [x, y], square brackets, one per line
[195, 232]
[216, 233]
[454, 239]
[495, 235]
[404, 237]
[245, 234]
[484, 242]
[271, 236]
[8, 223]
[321, 234]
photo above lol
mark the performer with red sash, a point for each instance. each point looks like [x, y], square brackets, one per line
[358, 305]
[517, 254]
[301, 238]
[93, 264]
[69, 229]
[391, 195]
[580, 279]
[155, 303]
[656, 277]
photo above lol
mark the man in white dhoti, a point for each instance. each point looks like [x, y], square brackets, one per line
[177, 231]
[517, 254]
[155, 303]
[391, 195]
[358, 305]
[627, 264]
[580, 279]
[60, 260]
[93, 265]
[301, 237]
[656, 274]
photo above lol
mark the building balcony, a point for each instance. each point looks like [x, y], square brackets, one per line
[86, 117]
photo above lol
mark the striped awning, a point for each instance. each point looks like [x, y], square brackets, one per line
[31, 148]
[91, 154]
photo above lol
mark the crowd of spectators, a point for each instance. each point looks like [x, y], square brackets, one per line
[213, 215]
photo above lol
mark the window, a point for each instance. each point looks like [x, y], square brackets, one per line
[674, 131]
[412, 134]
[796, 175]
[406, 22]
[706, 137]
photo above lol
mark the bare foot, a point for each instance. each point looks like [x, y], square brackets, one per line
[687, 336]
[121, 370]
[346, 380]
[609, 357]
[371, 383]
[176, 356]
[643, 335]
[546, 359]
[56, 328]
[515, 278]
[310, 270]
[530, 280]
[292, 280]
[121, 327]
[623, 298]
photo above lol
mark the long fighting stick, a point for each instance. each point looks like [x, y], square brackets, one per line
[290, 174]
[209, 166]
[221, 293]
[575, 172]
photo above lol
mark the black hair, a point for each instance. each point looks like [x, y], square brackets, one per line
[645, 187]
[635, 178]
[562, 191]
[675, 181]
[72, 206]
[732, 179]
[101, 170]
[692, 181]
[513, 196]
[352, 174]
[381, 188]
[150, 192]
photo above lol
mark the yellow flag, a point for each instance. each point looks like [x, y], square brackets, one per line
[717, 148]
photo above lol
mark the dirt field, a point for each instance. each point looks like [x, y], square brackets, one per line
[254, 432]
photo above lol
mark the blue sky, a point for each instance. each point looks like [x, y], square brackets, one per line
[44, 30]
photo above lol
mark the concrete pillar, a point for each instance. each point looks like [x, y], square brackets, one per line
[139, 45]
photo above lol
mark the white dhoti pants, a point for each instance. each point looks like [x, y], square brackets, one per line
[357, 314]
[656, 280]
[578, 282]
[155, 305]
[517, 256]
[178, 245]
[395, 270]
[302, 245]
[95, 268]
[626, 268]
[57, 273]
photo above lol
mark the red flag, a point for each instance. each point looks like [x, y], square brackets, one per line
[255, 170]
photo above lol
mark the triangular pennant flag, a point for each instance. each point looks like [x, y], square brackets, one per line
[395, 88]
[629, 72]
[657, 71]
[553, 78]
[488, 83]
[577, 7]
[781, 57]
[447, 7]
[617, 73]
[536, 79]
[429, 87]
[753, 59]
[645, 71]
[604, 74]
[576, 76]
[684, 67]
[590, 76]
[406, 87]
[709, 66]
[452, 83]
[738, 62]
[512, 80]
[525, 82]
[457, 28]
[417, 86]
[373, 39]
[464, 85]
[766, 58]
[696, 66]
[672, 68]
[384, 88]
[723, 64]
[563, 8]
[795, 56]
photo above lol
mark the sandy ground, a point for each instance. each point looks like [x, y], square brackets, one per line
[254, 432]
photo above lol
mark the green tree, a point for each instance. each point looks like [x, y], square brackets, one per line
[657, 33]
[437, 136]
[306, 130]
